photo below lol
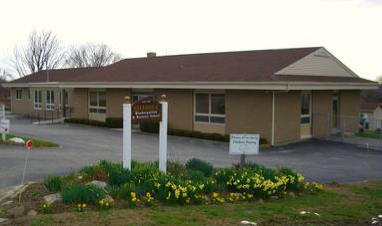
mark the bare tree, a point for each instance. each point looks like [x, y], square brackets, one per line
[4, 75]
[4, 92]
[91, 55]
[42, 51]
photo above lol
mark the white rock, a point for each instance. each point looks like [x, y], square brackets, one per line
[374, 219]
[99, 184]
[380, 216]
[247, 223]
[374, 222]
[52, 198]
[317, 214]
[17, 140]
[303, 212]
[2, 220]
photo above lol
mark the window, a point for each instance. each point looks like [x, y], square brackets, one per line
[50, 100]
[305, 108]
[37, 99]
[19, 94]
[97, 102]
[210, 108]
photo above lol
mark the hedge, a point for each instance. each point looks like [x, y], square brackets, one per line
[154, 128]
[85, 122]
[149, 127]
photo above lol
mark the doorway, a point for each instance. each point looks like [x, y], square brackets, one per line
[335, 110]
[306, 115]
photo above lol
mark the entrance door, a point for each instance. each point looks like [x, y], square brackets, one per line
[306, 114]
[336, 108]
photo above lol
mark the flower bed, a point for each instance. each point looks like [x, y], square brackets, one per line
[107, 185]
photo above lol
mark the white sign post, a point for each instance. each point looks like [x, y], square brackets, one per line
[163, 136]
[127, 134]
[244, 144]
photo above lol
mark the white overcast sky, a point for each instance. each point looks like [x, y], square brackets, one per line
[350, 29]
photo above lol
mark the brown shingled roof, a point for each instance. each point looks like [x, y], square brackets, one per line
[251, 66]
[257, 65]
[55, 75]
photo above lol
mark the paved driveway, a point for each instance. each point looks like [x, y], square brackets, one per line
[322, 161]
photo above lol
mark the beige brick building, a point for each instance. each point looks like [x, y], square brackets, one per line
[274, 93]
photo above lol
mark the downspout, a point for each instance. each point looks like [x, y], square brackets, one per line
[273, 112]
[273, 119]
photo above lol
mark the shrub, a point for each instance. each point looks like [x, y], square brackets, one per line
[198, 164]
[117, 175]
[94, 172]
[114, 122]
[144, 171]
[177, 169]
[85, 122]
[54, 183]
[80, 193]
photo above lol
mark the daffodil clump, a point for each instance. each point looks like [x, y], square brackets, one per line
[315, 187]
[46, 208]
[149, 198]
[81, 207]
[253, 184]
[105, 204]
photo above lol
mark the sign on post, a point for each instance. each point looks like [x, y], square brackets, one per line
[146, 110]
[247, 144]
[244, 144]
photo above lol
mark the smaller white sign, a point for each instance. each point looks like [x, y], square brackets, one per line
[4, 126]
[247, 144]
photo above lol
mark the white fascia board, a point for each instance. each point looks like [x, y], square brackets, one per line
[276, 85]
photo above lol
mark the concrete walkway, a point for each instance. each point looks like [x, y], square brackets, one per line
[322, 161]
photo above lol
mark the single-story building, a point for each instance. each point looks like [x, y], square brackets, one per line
[274, 93]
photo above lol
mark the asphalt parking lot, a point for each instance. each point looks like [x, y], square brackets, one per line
[322, 161]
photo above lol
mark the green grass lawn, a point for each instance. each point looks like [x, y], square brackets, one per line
[369, 134]
[337, 205]
[35, 142]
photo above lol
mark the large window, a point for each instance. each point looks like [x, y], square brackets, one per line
[19, 94]
[97, 102]
[50, 100]
[37, 99]
[209, 108]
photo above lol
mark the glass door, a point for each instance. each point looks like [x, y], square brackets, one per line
[306, 115]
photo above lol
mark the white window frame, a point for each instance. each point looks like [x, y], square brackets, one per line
[37, 105]
[99, 110]
[209, 114]
[49, 105]
[18, 94]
